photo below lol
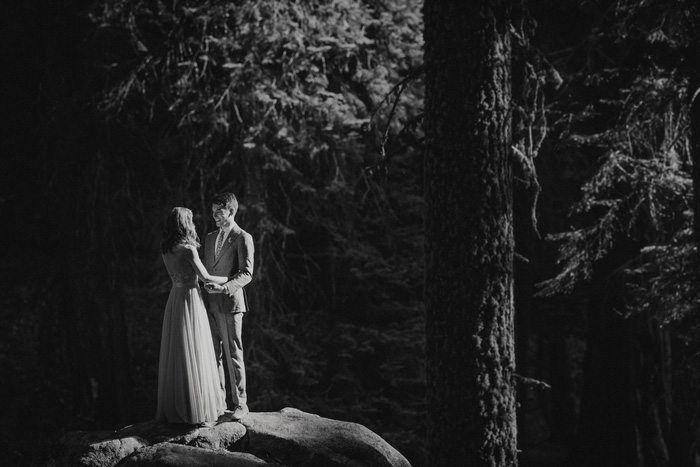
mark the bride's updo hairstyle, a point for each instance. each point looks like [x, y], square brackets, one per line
[179, 229]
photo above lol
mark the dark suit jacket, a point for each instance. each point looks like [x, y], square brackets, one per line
[235, 261]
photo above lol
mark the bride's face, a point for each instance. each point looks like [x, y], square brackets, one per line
[222, 216]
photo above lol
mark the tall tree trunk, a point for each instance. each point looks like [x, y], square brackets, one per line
[694, 93]
[692, 57]
[469, 235]
[685, 431]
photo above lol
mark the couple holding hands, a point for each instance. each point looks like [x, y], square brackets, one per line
[201, 351]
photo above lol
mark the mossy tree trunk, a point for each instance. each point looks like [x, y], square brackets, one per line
[469, 235]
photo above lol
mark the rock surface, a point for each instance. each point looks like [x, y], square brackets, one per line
[176, 455]
[298, 438]
[288, 438]
[106, 448]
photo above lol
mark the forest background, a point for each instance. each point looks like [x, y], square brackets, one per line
[117, 111]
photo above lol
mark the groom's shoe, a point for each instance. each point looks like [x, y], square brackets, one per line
[240, 412]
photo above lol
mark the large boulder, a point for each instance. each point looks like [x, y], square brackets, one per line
[290, 438]
[298, 438]
[107, 448]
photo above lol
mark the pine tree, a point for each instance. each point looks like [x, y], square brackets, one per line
[469, 235]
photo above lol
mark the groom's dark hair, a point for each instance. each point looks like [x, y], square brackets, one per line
[226, 201]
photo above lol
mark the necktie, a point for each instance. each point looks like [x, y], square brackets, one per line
[220, 242]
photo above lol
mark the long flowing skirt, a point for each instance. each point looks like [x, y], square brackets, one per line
[189, 390]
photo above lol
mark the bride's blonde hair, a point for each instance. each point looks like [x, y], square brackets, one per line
[179, 229]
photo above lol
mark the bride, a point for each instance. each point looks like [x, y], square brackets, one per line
[189, 390]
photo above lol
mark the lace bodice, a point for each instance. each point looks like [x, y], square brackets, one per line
[184, 277]
[180, 270]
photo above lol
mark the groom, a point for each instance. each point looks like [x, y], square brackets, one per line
[229, 252]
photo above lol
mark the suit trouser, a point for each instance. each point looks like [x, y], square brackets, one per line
[226, 330]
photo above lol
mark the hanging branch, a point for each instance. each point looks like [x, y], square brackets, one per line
[532, 185]
[397, 90]
[532, 75]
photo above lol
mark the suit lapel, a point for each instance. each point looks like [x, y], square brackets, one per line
[209, 258]
[228, 243]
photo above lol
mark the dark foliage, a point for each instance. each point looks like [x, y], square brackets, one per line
[171, 102]
[626, 112]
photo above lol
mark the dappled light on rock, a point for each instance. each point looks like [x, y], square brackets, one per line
[289, 437]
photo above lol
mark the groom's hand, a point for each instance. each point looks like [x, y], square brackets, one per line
[214, 288]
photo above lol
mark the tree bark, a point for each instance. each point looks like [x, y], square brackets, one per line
[684, 443]
[469, 235]
[692, 58]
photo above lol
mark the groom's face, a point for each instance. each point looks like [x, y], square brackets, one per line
[222, 216]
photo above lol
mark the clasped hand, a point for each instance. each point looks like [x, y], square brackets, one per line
[214, 288]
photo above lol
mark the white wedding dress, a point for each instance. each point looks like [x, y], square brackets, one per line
[189, 390]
